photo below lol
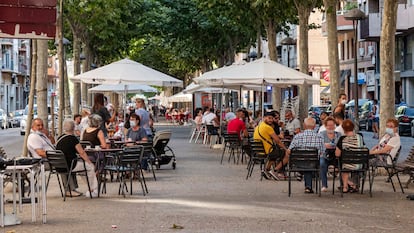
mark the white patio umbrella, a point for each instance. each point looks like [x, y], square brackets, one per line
[126, 71]
[190, 89]
[122, 88]
[260, 72]
[180, 98]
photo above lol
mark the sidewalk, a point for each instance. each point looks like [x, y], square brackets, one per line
[202, 195]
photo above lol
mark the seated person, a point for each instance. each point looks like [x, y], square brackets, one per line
[93, 132]
[330, 138]
[350, 141]
[389, 145]
[306, 140]
[198, 119]
[95, 136]
[265, 133]
[69, 144]
[38, 141]
[292, 125]
[136, 133]
[237, 126]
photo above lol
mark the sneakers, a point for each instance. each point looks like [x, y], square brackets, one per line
[94, 193]
[324, 189]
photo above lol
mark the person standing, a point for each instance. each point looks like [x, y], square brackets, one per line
[340, 106]
[144, 116]
[375, 122]
[100, 109]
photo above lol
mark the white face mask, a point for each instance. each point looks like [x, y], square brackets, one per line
[132, 123]
[343, 102]
[389, 131]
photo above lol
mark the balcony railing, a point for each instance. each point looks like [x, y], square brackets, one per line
[370, 27]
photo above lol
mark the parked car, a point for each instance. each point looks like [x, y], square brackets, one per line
[405, 116]
[3, 119]
[362, 112]
[314, 111]
[23, 122]
[365, 116]
[15, 118]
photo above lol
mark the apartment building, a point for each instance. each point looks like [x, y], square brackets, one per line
[14, 73]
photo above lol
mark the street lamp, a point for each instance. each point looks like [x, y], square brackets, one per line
[288, 41]
[355, 15]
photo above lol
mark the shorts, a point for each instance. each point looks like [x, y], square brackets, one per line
[376, 119]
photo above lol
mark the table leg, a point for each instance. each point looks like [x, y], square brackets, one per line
[33, 194]
[1, 200]
[43, 177]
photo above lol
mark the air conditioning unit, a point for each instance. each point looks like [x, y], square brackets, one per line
[370, 50]
[361, 52]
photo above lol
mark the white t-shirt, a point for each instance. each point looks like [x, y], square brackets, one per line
[208, 118]
[340, 130]
[292, 125]
[394, 142]
[35, 141]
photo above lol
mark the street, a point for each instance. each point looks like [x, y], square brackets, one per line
[202, 195]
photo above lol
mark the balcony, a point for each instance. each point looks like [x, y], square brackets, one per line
[405, 17]
[342, 24]
[370, 27]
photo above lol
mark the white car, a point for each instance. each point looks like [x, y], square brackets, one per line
[23, 122]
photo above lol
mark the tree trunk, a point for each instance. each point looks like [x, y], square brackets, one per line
[304, 13]
[387, 58]
[42, 81]
[31, 94]
[271, 41]
[76, 70]
[59, 28]
[259, 43]
[330, 6]
[271, 38]
[68, 110]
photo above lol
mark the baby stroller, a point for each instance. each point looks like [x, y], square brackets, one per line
[163, 153]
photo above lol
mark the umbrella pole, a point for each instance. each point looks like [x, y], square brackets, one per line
[262, 104]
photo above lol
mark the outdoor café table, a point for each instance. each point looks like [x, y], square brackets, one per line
[36, 172]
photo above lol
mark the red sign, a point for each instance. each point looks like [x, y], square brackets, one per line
[325, 76]
[35, 19]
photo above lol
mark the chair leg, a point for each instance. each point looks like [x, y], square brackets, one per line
[222, 154]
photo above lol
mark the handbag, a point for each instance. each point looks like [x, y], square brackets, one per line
[276, 152]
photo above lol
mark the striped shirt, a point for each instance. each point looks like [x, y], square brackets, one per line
[308, 139]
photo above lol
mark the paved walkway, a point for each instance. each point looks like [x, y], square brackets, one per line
[203, 196]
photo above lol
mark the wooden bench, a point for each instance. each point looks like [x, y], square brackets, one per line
[407, 167]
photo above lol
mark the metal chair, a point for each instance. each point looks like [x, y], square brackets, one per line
[233, 145]
[304, 160]
[128, 166]
[359, 158]
[390, 168]
[257, 155]
[57, 162]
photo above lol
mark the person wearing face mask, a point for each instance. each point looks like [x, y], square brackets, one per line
[340, 107]
[388, 145]
[330, 139]
[136, 133]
